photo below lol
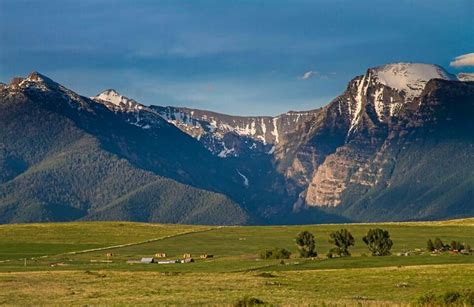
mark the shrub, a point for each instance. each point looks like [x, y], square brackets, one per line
[448, 298]
[438, 245]
[249, 301]
[378, 241]
[457, 246]
[453, 246]
[276, 253]
[430, 246]
[306, 244]
[266, 275]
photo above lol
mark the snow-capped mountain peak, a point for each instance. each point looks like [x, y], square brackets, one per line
[34, 79]
[37, 77]
[410, 78]
[134, 113]
[112, 97]
[385, 90]
[465, 76]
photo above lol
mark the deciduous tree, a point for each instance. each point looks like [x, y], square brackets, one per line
[378, 241]
[306, 244]
[343, 239]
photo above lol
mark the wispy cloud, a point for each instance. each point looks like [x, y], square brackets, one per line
[308, 75]
[316, 74]
[463, 60]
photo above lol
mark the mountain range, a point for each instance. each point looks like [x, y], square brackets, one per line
[397, 144]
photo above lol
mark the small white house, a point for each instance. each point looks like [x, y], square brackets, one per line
[147, 260]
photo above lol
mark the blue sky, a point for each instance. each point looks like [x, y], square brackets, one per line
[237, 57]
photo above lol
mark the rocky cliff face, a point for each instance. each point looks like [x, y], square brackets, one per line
[425, 164]
[376, 105]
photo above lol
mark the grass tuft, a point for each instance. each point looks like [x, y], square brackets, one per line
[448, 298]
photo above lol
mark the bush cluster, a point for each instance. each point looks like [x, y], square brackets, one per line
[276, 253]
[438, 246]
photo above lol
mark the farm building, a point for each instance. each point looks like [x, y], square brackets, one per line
[167, 261]
[187, 260]
[186, 256]
[205, 256]
[147, 260]
[160, 255]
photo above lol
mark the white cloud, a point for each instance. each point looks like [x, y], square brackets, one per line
[308, 75]
[316, 74]
[463, 60]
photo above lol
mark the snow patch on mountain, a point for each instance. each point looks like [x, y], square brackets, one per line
[465, 76]
[275, 129]
[136, 114]
[361, 93]
[378, 100]
[121, 102]
[247, 130]
[410, 78]
[272, 150]
[246, 180]
[226, 152]
[386, 89]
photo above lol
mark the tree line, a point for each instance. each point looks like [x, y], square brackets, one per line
[438, 246]
[377, 240]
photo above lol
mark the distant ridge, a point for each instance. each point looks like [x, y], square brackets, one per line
[396, 145]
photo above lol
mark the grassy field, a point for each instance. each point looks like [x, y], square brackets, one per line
[33, 240]
[63, 265]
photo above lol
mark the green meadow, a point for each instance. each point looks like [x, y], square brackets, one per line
[68, 263]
